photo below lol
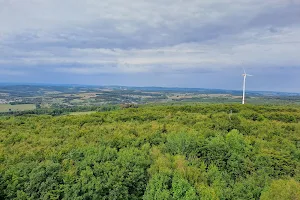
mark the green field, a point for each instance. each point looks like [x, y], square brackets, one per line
[19, 107]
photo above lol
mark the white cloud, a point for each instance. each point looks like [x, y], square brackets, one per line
[91, 36]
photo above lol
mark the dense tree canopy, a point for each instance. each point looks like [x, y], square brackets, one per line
[153, 152]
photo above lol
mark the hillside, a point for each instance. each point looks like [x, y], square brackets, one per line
[153, 152]
[16, 98]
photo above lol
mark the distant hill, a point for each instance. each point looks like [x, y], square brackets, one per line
[153, 89]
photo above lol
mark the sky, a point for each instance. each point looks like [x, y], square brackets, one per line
[168, 43]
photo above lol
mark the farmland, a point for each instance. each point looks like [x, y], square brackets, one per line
[18, 107]
[27, 97]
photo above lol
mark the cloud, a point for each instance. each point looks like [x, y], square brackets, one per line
[254, 47]
[9, 72]
[131, 37]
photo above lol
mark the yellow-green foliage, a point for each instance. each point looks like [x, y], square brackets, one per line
[82, 113]
[153, 152]
[282, 189]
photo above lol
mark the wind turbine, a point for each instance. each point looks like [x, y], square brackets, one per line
[244, 85]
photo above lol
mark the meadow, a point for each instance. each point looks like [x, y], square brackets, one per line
[17, 107]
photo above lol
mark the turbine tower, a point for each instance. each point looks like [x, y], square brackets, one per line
[244, 85]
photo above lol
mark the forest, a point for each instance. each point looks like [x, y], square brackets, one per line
[153, 152]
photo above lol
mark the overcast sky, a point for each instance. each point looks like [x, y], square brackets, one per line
[179, 43]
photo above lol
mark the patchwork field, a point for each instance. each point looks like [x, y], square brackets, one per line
[61, 97]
